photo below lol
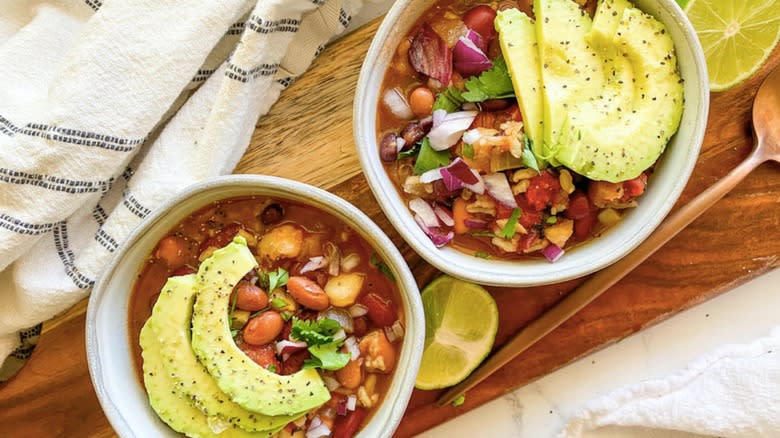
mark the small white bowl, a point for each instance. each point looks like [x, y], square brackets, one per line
[109, 355]
[669, 180]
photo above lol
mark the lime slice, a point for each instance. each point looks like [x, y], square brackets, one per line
[737, 36]
[461, 320]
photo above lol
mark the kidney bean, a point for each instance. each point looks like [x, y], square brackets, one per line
[174, 251]
[421, 101]
[388, 148]
[347, 426]
[496, 104]
[380, 311]
[480, 19]
[272, 214]
[250, 297]
[263, 328]
[412, 133]
[307, 293]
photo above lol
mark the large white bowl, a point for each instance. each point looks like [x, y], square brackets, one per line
[109, 355]
[668, 181]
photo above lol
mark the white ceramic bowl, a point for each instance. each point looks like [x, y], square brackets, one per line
[672, 171]
[122, 395]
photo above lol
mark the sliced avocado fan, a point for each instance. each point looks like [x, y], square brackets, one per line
[174, 410]
[171, 319]
[248, 384]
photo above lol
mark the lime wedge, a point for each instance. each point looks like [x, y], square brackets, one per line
[737, 36]
[461, 320]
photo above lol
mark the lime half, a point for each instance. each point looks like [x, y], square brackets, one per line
[737, 36]
[461, 320]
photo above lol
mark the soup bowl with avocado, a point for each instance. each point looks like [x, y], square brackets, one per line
[255, 307]
[527, 142]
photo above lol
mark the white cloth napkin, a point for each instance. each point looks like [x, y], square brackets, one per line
[110, 107]
[732, 392]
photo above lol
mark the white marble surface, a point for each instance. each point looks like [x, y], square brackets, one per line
[541, 409]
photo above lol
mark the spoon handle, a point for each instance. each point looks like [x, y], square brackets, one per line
[602, 280]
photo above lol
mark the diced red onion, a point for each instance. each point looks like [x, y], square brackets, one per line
[498, 187]
[333, 255]
[424, 211]
[314, 263]
[471, 136]
[477, 39]
[317, 429]
[341, 407]
[351, 403]
[330, 382]
[552, 252]
[430, 55]
[431, 176]
[451, 182]
[479, 186]
[352, 347]
[444, 214]
[438, 117]
[436, 234]
[476, 224]
[462, 171]
[397, 104]
[358, 310]
[469, 60]
[285, 348]
[450, 129]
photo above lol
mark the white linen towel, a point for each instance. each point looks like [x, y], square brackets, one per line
[110, 107]
[733, 392]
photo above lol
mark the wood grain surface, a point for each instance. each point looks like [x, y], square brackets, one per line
[308, 137]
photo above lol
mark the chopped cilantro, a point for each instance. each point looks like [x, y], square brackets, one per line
[286, 316]
[529, 159]
[411, 152]
[277, 279]
[430, 159]
[252, 315]
[491, 84]
[482, 234]
[481, 255]
[271, 368]
[278, 303]
[509, 229]
[552, 220]
[449, 100]
[468, 150]
[327, 357]
[233, 332]
[376, 262]
[459, 401]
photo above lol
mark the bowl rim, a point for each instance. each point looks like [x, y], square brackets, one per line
[505, 273]
[329, 202]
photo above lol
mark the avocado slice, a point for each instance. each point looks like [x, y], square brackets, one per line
[174, 410]
[622, 132]
[517, 36]
[248, 384]
[171, 323]
[571, 70]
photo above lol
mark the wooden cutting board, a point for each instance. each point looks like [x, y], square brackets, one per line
[308, 137]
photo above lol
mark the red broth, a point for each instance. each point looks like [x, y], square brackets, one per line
[256, 218]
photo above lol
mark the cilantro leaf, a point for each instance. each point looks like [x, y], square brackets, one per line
[468, 150]
[491, 84]
[509, 229]
[376, 262]
[449, 100]
[277, 279]
[327, 357]
[279, 303]
[314, 332]
[529, 158]
[411, 152]
[430, 159]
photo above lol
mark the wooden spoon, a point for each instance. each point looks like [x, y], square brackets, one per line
[766, 123]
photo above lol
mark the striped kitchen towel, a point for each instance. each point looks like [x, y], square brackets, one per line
[108, 108]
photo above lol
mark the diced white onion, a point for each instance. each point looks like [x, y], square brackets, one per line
[444, 215]
[438, 117]
[471, 136]
[396, 102]
[331, 383]
[352, 346]
[399, 144]
[351, 403]
[350, 262]
[398, 329]
[390, 334]
[314, 263]
[317, 429]
[431, 176]
[450, 129]
[424, 211]
[358, 310]
[498, 187]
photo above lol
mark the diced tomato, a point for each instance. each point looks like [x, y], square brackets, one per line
[223, 237]
[502, 211]
[527, 240]
[584, 225]
[294, 363]
[264, 355]
[494, 119]
[380, 311]
[543, 190]
[348, 425]
[579, 205]
[528, 217]
[634, 187]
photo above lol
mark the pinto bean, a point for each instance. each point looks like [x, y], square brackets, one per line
[250, 297]
[307, 293]
[421, 101]
[264, 328]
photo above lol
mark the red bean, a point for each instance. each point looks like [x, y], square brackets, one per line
[264, 328]
[380, 311]
[388, 148]
[480, 19]
[250, 297]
